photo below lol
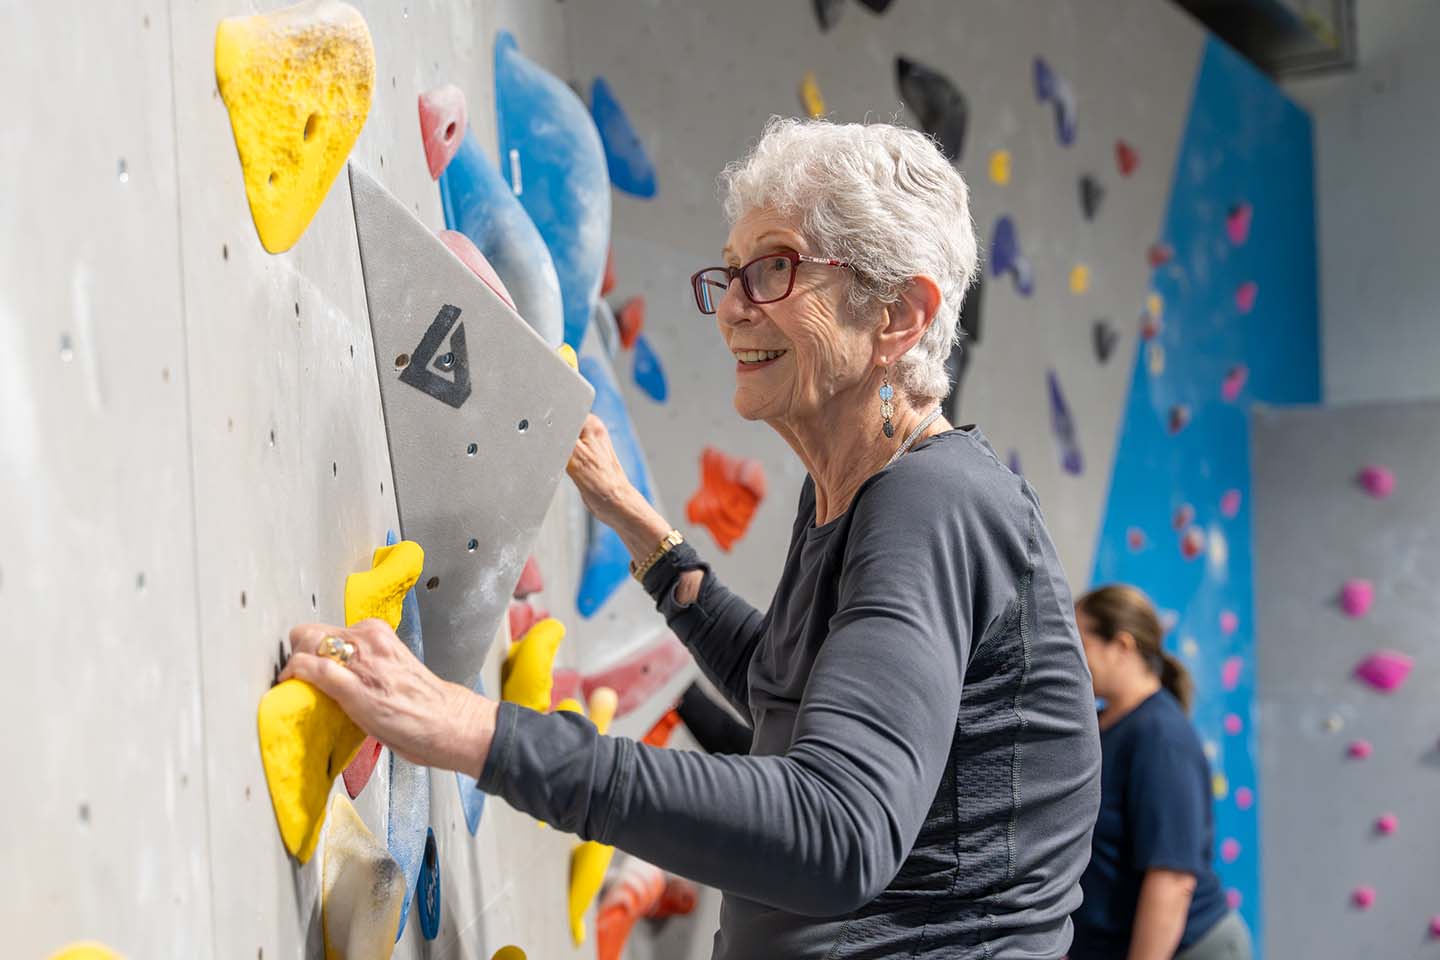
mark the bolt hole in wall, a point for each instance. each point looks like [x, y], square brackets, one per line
[432, 583]
[473, 545]
[522, 426]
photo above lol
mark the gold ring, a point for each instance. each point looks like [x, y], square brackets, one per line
[341, 651]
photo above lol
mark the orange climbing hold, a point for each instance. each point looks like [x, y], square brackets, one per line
[630, 318]
[730, 491]
[442, 126]
[607, 283]
[633, 891]
[297, 83]
[659, 735]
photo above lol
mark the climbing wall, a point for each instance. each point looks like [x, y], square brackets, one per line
[1346, 547]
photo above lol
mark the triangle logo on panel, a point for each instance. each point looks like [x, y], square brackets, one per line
[440, 368]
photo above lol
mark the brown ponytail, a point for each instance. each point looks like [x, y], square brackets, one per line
[1118, 608]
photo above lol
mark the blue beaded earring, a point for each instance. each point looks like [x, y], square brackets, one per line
[887, 409]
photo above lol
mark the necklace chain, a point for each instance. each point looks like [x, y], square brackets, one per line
[913, 434]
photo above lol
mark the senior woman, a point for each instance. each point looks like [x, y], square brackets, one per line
[924, 773]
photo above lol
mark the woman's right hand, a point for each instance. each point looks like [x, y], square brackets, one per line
[598, 474]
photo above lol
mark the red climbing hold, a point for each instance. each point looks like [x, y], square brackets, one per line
[659, 735]
[442, 126]
[1160, 254]
[530, 579]
[637, 678]
[1193, 543]
[1126, 158]
[565, 685]
[679, 898]
[607, 283]
[470, 255]
[358, 773]
[630, 318]
[1183, 517]
[1135, 539]
[522, 617]
[730, 491]
[1245, 296]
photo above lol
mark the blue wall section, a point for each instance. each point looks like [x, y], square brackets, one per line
[1244, 142]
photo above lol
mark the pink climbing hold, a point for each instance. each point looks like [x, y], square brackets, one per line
[442, 126]
[1135, 539]
[565, 685]
[1363, 897]
[1244, 798]
[1245, 296]
[1237, 223]
[1193, 543]
[1359, 749]
[522, 617]
[1230, 673]
[1230, 850]
[1387, 824]
[639, 677]
[1235, 379]
[530, 580]
[357, 774]
[1233, 898]
[1385, 670]
[1435, 928]
[1233, 724]
[1378, 481]
[1230, 504]
[470, 255]
[1356, 597]
[1184, 516]
[1229, 623]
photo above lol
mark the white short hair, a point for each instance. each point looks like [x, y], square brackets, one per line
[881, 197]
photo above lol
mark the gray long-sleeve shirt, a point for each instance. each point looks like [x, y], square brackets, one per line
[881, 813]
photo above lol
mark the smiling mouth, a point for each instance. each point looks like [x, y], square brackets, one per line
[749, 357]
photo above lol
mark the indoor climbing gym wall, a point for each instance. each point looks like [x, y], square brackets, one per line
[338, 283]
[1347, 609]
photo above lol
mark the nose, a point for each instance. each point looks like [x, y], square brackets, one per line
[735, 308]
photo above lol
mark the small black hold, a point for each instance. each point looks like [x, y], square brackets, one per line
[1091, 193]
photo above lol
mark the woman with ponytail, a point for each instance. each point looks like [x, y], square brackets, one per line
[1150, 890]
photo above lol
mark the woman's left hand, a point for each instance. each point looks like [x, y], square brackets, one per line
[394, 698]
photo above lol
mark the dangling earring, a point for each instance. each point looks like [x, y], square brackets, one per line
[887, 409]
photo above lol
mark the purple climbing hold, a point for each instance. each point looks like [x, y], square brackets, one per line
[1051, 87]
[1013, 462]
[1005, 256]
[1062, 425]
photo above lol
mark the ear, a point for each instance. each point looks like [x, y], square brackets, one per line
[906, 320]
[1126, 640]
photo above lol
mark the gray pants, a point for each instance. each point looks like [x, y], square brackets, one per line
[1227, 940]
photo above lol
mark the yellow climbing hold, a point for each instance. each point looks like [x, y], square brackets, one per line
[567, 353]
[305, 741]
[297, 83]
[1000, 167]
[1155, 355]
[362, 889]
[570, 705]
[526, 677]
[1220, 786]
[1079, 278]
[380, 591]
[1155, 306]
[603, 704]
[509, 953]
[810, 96]
[88, 950]
[588, 863]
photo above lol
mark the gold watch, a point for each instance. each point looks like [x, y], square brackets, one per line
[670, 541]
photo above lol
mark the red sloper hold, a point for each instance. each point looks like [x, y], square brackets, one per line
[470, 255]
[630, 318]
[1126, 158]
[607, 283]
[530, 579]
[442, 126]
[522, 617]
[679, 898]
[358, 773]
[637, 678]
[564, 685]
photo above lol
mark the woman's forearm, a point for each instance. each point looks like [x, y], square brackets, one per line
[1160, 914]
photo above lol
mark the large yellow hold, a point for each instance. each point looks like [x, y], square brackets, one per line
[588, 863]
[380, 591]
[297, 83]
[362, 889]
[527, 676]
[85, 951]
[305, 738]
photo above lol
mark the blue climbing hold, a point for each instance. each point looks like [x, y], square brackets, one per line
[406, 824]
[478, 202]
[648, 375]
[555, 162]
[625, 157]
[428, 888]
[607, 562]
[472, 798]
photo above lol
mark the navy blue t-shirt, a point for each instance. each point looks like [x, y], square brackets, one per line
[1154, 815]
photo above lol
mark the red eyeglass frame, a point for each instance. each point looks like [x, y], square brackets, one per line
[732, 272]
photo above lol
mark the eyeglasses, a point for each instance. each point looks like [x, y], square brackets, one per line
[765, 279]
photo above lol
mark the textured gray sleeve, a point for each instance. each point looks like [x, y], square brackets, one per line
[720, 628]
[824, 828]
